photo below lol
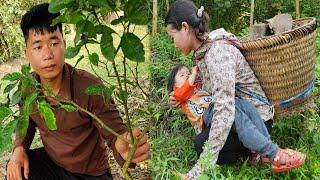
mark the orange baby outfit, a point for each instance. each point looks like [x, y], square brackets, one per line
[193, 102]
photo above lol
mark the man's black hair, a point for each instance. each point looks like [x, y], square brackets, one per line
[39, 19]
[172, 74]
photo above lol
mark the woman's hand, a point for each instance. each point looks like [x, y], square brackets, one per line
[172, 101]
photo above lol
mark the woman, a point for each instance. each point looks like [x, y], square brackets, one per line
[225, 74]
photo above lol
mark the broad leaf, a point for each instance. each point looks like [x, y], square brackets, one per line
[118, 21]
[108, 93]
[25, 69]
[123, 95]
[28, 103]
[75, 17]
[136, 11]
[60, 19]
[6, 133]
[94, 59]
[16, 98]
[68, 107]
[71, 52]
[56, 5]
[106, 46]
[99, 3]
[4, 112]
[89, 29]
[48, 115]
[25, 83]
[104, 29]
[9, 87]
[96, 89]
[12, 76]
[132, 47]
[22, 125]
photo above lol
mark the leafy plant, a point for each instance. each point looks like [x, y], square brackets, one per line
[90, 27]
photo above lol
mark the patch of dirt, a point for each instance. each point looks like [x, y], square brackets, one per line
[141, 172]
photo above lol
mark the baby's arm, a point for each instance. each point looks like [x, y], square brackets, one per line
[192, 77]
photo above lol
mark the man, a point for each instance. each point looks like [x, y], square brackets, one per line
[76, 149]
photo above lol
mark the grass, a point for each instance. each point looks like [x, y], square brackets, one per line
[173, 151]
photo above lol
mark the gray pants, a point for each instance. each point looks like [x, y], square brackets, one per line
[250, 128]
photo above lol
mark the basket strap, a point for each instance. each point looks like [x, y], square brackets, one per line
[284, 103]
[254, 95]
[299, 97]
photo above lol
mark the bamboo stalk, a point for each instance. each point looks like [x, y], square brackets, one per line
[154, 18]
[251, 15]
[297, 9]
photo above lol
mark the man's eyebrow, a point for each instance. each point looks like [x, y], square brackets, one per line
[36, 42]
[54, 37]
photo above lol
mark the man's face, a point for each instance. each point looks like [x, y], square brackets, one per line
[45, 52]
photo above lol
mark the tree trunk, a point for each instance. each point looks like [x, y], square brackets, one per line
[154, 18]
[297, 9]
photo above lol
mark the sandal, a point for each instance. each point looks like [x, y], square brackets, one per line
[292, 160]
[256, 159]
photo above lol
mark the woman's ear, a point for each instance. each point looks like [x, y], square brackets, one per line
[185, 26]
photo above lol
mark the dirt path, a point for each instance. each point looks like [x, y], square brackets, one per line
[141, 172]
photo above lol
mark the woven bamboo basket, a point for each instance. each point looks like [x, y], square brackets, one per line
[285, 64]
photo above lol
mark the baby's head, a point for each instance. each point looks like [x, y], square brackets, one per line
[178, 76]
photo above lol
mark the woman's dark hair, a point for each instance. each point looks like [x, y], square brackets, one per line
[172, 74]
[186, 11]
[39, 19]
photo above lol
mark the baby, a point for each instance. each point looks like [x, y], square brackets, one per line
[198, 105]
[194, 103]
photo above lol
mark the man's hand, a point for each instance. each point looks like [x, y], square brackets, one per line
[18, 160]
[172, 101]
[143, 147]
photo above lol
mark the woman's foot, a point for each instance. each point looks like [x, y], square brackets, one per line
[256, 159]
[287, 159]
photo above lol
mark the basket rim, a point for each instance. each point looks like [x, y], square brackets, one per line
[312, 20]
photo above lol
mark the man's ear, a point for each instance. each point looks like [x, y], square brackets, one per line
[185, 26]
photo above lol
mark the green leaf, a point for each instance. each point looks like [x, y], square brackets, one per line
[136, 11]
[71, 52]
[25, 69]
[25, 83]
[28, 103]
[104, 29]
[95, 89]
[94, 59]
[99, 3]
[48, 115]
[75, 17]
[4, 112]
[9, 87]
[60, 19]
[106, 46]
[132, 47]
[12, 76]
[123, 95]
[68, 107]
[89, 30]
[118, 21]
[56, 5]
[79, 29]
[6, 134]
[16, 98]
[22, 125]
[108, 93]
